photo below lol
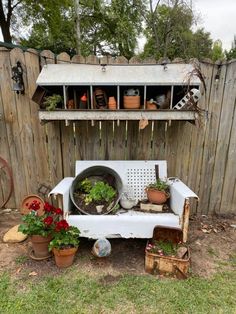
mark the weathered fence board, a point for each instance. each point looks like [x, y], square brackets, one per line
[223, 139]
[158, 141]
[4, 144]
[211, 133]
[203, 157]
[10, 103]
[53, 139]
[39, 131]
[198, 136]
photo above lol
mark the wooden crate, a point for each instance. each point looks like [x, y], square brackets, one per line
[160, 264]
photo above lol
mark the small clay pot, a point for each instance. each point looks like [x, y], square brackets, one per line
[131, 102]
[157, 197]
[40, 245]
[64, 257]
[112, 103]
[151, 106]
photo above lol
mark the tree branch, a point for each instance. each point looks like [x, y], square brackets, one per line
[2, 15]
[11, 9]
[15, 5]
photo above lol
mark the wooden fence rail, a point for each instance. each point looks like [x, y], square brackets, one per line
[203, 157]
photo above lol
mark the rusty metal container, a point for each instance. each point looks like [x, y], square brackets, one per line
[161, 264]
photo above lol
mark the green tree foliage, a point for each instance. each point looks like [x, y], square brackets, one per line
[173, 21]
[124, 24]
[53, 26]
[217, 51]
[231, 54]
[106, 27]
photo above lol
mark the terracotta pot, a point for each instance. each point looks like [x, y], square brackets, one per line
[64, 257]
[151, 106]
[40, 245]
[131, 102]
[112, 103]
[157, 197]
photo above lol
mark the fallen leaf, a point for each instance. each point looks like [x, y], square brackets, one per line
[215, 230]
[206, 230]
[18, 270]
[33, 273]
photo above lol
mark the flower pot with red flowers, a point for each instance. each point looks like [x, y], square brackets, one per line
[158, 192]
[64, 244]
[39, 226]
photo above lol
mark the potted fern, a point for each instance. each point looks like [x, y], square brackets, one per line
[158, 192]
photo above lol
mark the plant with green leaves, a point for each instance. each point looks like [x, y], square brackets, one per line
[64, 236]
[99, 192]
[36, 223]
[51, 102]
[159, 185]
[85, 186]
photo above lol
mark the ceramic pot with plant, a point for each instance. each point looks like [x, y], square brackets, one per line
[39, 226]
[65, 243]
[158, 192]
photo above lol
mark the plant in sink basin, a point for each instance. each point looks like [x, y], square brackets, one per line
[65, 243]
[96, 194]
[158, 192]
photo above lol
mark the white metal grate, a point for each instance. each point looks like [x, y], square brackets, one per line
[138, 179]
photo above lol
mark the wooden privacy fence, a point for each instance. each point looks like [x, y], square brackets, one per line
[203, 157]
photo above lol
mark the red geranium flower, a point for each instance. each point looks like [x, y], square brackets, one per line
[58, 211]
[62, 225]
[34, 205]
[48, 220]
[48, 208]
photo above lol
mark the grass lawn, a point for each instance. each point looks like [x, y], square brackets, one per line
[73, 291]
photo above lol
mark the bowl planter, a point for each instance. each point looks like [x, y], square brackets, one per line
[157, 197]
[64, 257]
[40, 245]
[158, 192]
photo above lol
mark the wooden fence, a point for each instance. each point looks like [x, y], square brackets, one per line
[203, 157]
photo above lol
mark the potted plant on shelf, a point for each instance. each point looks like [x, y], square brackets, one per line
[51, 102]
[158, 192]
[39, 226]
[64, 244]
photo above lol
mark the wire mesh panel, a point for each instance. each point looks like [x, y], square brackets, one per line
[138, 179]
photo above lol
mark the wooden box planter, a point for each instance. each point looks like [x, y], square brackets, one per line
[162, 264]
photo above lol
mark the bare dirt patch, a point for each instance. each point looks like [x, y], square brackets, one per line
[212, 242]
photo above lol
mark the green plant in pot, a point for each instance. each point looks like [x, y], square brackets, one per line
[100, 191]
[51, 102]
[65, 243]
[158, 192]
[96, 196]
[39, 225]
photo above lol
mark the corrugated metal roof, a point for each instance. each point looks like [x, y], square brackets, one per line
[86, 74]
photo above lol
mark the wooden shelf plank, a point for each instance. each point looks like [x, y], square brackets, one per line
[117, 115]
